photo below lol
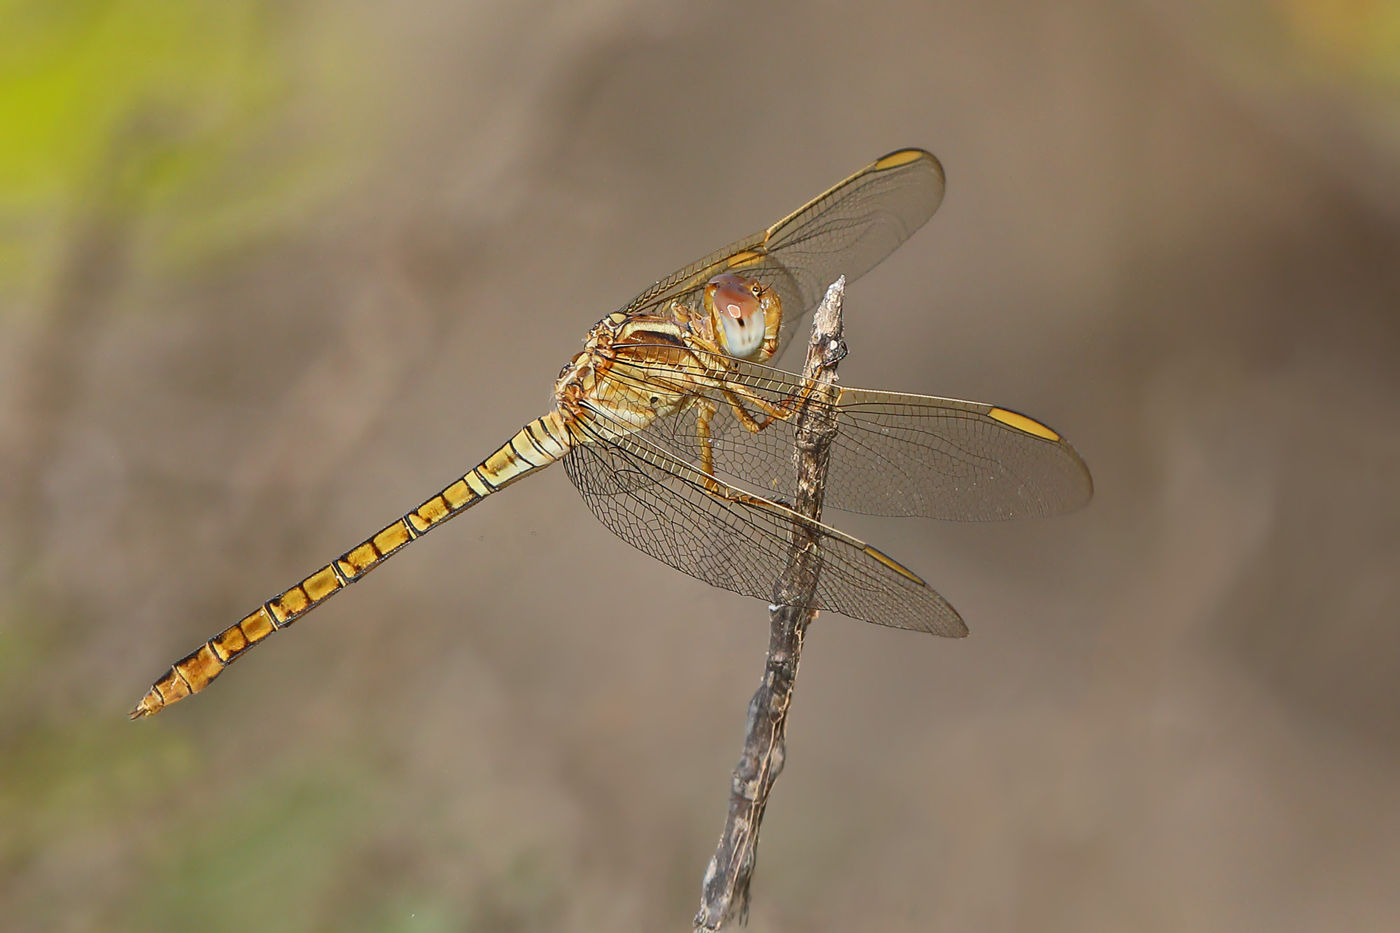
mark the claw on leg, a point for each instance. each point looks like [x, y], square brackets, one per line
[780, 412]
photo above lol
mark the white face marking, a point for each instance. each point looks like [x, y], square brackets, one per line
[735, 301]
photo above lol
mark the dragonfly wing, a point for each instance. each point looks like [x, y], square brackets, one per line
[846, 230]
[900, 454]
[849, 229]
[893, 454]
[661, 505]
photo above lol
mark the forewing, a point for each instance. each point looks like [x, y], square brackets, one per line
[846, 230]
[660, 505]
[893, 453]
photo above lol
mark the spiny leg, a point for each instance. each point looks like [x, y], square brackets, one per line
[705, 413]
[780, 412]
[736, 394]
[706, 410]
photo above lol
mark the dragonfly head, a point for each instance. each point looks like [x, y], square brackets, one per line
[742, 312]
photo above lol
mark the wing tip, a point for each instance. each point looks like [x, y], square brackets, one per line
[907, 156]
[902, 157]
[947, 623]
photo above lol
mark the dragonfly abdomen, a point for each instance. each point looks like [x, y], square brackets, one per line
[534, 447]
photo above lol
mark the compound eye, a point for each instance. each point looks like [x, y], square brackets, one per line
[735, 300]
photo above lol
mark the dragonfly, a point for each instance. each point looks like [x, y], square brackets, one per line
[679, 435]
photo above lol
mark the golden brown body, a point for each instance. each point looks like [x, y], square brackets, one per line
[632, 345]
[669, 397]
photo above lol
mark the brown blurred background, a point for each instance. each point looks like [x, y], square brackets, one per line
[270, 273]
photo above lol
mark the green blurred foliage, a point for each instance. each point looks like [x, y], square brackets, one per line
[53, 779]
[221, 121]
[1358, 40]
[1345, 53]
[74, 73]
[176, 135]
[265, 858]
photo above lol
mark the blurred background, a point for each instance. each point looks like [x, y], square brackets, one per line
[273, 272]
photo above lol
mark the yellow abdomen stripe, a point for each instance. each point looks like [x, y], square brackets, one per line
[534, 447]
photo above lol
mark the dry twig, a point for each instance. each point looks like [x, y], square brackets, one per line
[726, 887]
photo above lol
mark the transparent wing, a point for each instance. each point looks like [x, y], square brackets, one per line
[893, 454]
[846, 230]
[660, 505]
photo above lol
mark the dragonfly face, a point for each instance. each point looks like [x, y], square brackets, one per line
[680, 441]
[744, 317]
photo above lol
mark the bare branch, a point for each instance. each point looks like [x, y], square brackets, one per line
[726, 886]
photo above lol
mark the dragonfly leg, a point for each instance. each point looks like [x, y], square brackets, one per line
[779, 412]
[705, 413]
[736, 394]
